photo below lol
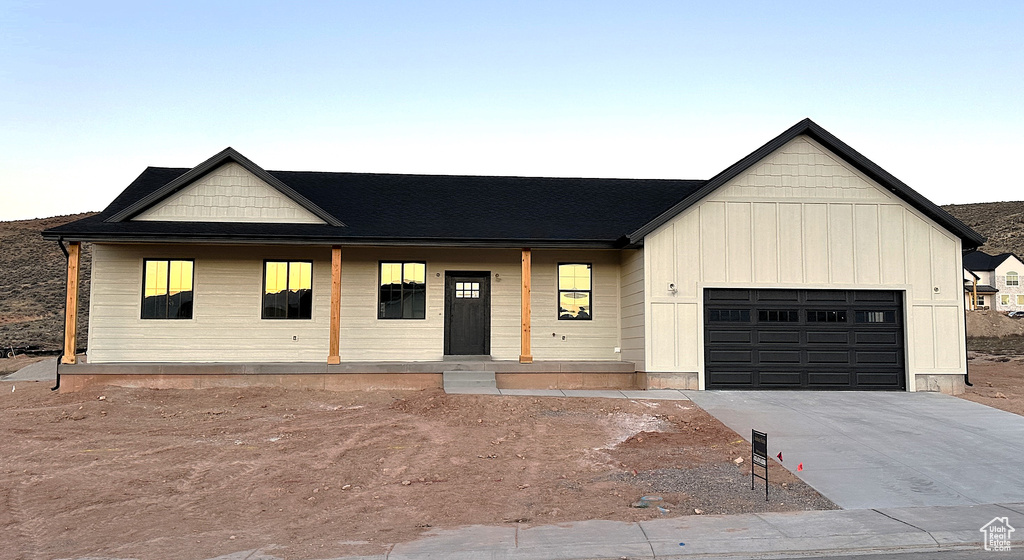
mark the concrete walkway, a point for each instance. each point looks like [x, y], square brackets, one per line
[44, 370]
[853, 531]
[884, 450]
[658, 394]
[760, 535]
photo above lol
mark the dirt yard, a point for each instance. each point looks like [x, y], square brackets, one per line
[998, 381]
[196, 474]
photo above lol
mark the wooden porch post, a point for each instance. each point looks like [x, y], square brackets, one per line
[525, 356]
[974, 302]
[335, 354]
[71, 304]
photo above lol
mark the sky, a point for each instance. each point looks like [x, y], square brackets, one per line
[91, 93]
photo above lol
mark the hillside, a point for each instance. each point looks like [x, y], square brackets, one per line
[32, 271]
[32, 276]
[1001, 222]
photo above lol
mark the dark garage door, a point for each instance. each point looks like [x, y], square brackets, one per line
[803, 339]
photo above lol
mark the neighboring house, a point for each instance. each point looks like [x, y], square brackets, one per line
[976, 295]
[998, 281]
[802, 266]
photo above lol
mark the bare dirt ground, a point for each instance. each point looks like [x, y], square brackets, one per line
[998, 381]
[196, 474]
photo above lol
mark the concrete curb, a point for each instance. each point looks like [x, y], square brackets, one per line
[723, 537]
[839, 532]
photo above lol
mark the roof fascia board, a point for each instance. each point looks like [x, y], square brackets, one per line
[197, 172]
[837, 146]
[245, 240]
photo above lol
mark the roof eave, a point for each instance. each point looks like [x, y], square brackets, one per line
[332, 240]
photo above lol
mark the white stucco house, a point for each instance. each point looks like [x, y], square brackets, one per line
[803, 265]
[993, 281]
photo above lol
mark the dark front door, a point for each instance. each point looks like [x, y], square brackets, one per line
[467, 313]
[803, 339]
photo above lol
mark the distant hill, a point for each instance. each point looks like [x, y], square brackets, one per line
[1001, 222]
[32, 271]
[32, 277]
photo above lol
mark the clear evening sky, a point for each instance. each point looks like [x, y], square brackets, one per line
[93, 92]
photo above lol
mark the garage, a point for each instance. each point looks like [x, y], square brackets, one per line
[803, 339]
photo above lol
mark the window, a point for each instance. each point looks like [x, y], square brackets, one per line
[469, 290]
[838, 316]
[403, 290]
[875, 317]
[167, 289]
[1012, 279]
[1020, 299]
[1004, 299]
[981, 301]
[776, 316]
[574, 291]
[729, 315]
[287, 290]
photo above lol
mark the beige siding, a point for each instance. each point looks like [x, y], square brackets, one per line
[632, 305]
[583, 340]
[229, 194]
[803, 218]
[226, 324]
[227, 327]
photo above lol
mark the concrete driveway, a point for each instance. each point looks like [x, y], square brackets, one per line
[881, 449]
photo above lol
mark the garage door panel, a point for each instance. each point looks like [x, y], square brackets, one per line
[777, 378]
[727, 295]
[778, 295]
[730, 356]
[822, 378]
[778, 337]
[809, 339]
[718, 336]
[828, 337]
[870, 379]
[826, 295]
[867, 357]
[735, 378]
[820, 357]
[778, 356]
[876, 337]
[874, 296]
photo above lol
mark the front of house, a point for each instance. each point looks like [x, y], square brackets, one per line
[802, 266]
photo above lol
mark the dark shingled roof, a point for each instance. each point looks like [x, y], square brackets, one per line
[978, 260]
[373, 208]
[378, 207]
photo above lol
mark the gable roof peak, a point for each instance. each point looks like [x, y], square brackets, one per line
[222, 157]
[970, 238]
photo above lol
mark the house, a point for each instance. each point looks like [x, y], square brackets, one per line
[997, 284]
[803, 265]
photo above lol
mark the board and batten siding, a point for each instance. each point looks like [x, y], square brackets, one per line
[226, 324]
[802, 218]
